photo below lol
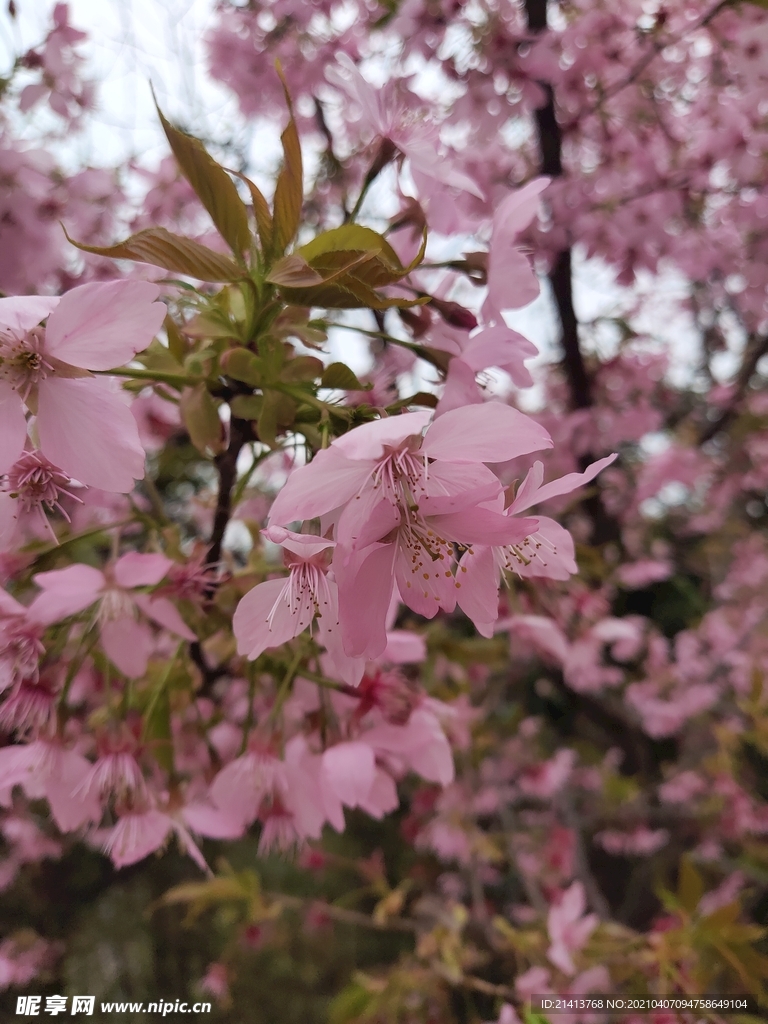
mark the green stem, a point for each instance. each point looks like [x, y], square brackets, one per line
[157, 376]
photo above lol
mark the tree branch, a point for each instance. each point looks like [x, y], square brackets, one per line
[755, 352]
[605, 528]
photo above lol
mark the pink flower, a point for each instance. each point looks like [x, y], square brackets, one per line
[546, 552]
[278, 610]
[393, 119]
[641, 842]
[568, 927]
[511, 281]
[31, 492]
[400, 501]
[20, 643]
[126, 640]
[46, 769]
[84, 425]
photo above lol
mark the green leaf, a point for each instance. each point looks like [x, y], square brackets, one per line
[301, 368]
[690, 886]
[339, 375]
[424, 398]
[157, 729]
[289, 191]
[246, 407]
[200, 416]
[176, 343]
[294, 272]
[162, 248]
[261, 212]
[277, 414]
[213, 186]
[349, 1004]
[242, 365]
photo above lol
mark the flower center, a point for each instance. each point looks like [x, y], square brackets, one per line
[37, 484]
[402, 476]
[22, 359]
[116, 604]
[535, 548]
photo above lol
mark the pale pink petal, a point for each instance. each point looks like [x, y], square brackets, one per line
[327, 482]
[263, 618]
[101, 326]
[382, 797]
[478, 596]
[21, 313]
[213, 822]
[368, 440]
[165, 614]
[554, 557]
[425, 586]
[137, 835]
[564, 485]
[404, 647]
[87, 430]
[512, 282]
[141, 570]
[425, 158]
[349, 769]
[9, 521]
[128, 645]
[301, 544]
[516, 212]
[13, 426]
[462, 478]
[501, 346]
[460, 388]
[65, 592]
[365, 589]
[491, 432]
[71, 809]
[348, 670]
[482, 526]
[366, 519]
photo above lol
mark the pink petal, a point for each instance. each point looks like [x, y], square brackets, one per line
[564, 485]
[478, 596]
[382, 798]
[65, 592]
[88, 431]
[141, 570]
[349, 769]
[301, 544]
[555, 558]
[128, 645]
[348, 670]
[368, 440]
[137, 835]
[491, 432]
[21, 313]
[461, 479]
[404, 647]
[516, 212]
[70, 811]
[101, 326]
[460, 389]
[13, 426]
[366, 519]
[365, 589]
[213, 822]
[425, 586]
[164, 613]
[328, 481]
[482, 526]
[512, 282]
[263, 618]
[9, 521]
